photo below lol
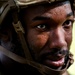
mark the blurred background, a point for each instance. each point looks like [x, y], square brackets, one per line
[71, 70]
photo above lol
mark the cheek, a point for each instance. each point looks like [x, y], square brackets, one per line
[69, 38]
[41, 40]
[37, 41]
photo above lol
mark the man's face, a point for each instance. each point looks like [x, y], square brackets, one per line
[49, 33]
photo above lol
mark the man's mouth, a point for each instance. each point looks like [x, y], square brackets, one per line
[54, 58]
[54, 63]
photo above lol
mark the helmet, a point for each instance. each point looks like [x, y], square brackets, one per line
[7, 5]
[15, 6]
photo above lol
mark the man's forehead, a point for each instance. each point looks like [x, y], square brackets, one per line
[46, 14]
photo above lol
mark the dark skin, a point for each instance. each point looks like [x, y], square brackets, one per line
[48, 31]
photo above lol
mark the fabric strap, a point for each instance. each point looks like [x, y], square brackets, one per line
[41, 68]
[20, 32]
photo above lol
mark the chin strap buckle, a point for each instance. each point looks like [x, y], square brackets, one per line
[18, 27]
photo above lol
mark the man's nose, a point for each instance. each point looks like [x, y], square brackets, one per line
[58, 39]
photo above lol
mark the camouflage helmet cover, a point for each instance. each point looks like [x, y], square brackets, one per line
[28, 2]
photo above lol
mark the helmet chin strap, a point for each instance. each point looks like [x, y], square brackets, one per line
[11, 5]
[44, 70]
[20, 31]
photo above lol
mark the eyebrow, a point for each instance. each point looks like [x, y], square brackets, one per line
[41, 18]
[46, 17]
[70, 14]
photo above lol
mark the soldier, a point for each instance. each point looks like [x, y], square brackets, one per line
[40, 35]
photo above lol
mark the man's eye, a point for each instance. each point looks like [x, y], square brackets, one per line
[42, 26]
[67, 24]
